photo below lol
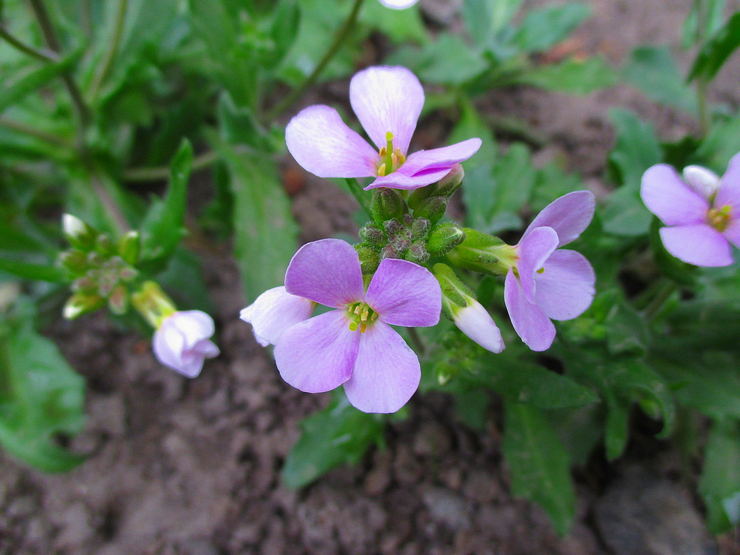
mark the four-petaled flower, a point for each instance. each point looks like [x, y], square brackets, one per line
[547, 282]
[387, 101]
[354, 344]
[701, 212]
[182, 341]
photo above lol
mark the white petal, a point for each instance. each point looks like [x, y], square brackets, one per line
[475, 322]
[274, 311]
[702, 180]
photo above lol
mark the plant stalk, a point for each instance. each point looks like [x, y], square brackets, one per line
[38, 53]
[112, 50]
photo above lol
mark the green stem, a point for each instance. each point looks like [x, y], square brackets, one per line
[344, 30]
[38, 53]
[416, 340]
[112, 50]
[42, 135]
[701, 97]
[359, 193]
[163, 172]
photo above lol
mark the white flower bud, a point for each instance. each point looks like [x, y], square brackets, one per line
[475, 322]
[182, 341]
[702, 180]
[398, 4]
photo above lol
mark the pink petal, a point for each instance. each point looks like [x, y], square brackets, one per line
[193, 324]
[386, 373]
[405, 294]
[568, 215]
[697, 244]
[322, 143]
[566, 288]
[318, 354]
[732, 233]
[475, 322]
[530, 323]
[729, 187]
[273, 312]
[387, 98]
[167, 344]
[327, 272]
[666, 196]
[534, 249]
[427, 166]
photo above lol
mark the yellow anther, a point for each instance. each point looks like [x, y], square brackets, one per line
[381, 169]
[399, 156]
[541, 270]
[363, 328]
[719, 218]
[353, 326]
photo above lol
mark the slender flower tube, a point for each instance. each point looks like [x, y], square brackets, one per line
[182, 341]
[547, 283]
[354, 344]
[701, 212]
[398, 4]
[388, 101]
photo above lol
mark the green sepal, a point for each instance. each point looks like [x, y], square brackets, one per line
[387, 204]
[432, 208]
[483, 253]
[444, 237]
[129, 247]
[369, 258]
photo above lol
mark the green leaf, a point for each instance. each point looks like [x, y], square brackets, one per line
[398, 25]
[721, 144]
[36, 272]
[339, 434]
[717, 50]
[184, 282]
[713, 18]
[538, 463]
[720, 479]
[545, 27]
[617, 427]
[485, 18]
[265, 231]
[40, 396]
[653, 70]
[571, 76]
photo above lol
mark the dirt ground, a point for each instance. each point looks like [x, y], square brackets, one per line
[192, 467]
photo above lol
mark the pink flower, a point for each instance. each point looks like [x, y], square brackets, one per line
[548, 283]
[182, 341]
[388, 102]
[354, 344]
[702, 215]
[398, 4]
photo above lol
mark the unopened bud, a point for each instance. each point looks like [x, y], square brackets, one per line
[432, 209]
[85, 283]
[387, 204]
[388, 252]
[419, 195]
[392, 228]
[73, 260]
[104, 245]
[128, 247]
[118, 300]
[483, 253]
[450, 182]
[81, 303]
[78, 233]
[445, 237]
[702, 180]
[417, 253]
[420, 228]
[369, 258]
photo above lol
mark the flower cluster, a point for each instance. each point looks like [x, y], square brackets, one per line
[402, 272]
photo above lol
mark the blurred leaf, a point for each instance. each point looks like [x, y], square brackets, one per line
[238, 124]
[721, 144]
[579, 429]
[692, 33]
[617, 426]
[552, 182]
[545, 27]
[398, 25]
[263, 223]
[184, 282]
[720, 478]
[40, 396]
[538, 463]
[571, 76]
[653, 70]
[163, 226]
[626, 329]
[717, 50]
[339, 434]
[485, 18]
[30, 271]
[471, 406]
[283, 29]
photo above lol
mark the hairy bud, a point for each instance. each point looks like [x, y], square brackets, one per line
[387, 204]
[432, 209]
[372, 235]
[369, 258]
[418, 253]
[445, 237]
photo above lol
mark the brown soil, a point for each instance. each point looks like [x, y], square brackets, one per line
[181, 466]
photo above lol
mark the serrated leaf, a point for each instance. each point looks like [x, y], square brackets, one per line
[538, 463]
[339, 434]
[717, 50]
[720, 477]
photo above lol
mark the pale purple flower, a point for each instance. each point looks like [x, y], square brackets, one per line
[182, 341]
[274, 311]
[387, 101]
[549, 283]
[702, 214]
[475, 322]
[354, 345]
[398, 4]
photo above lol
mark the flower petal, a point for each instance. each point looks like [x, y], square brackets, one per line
[404, 294]
[566, 288]
[427, 166]
[534, 249]
[318, 354]
[322, 144]
[530, 323]
[168, 342]
[568, 215]
[386, 373]
[732, 233]
[387, 99]
[697, 244]
[398, 4]
[668, 197]
[327, 272]
[273, 312]
[729, 187]
[475, 322]
[193, 324]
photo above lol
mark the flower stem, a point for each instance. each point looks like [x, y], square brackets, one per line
[343, 32]
[38, 53]
[416, 340]
[358, 192]
[112, 50]
[158, 173]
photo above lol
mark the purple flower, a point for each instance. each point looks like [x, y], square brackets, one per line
[548, 283]
[387, 101]
[354, 344]
[274, 311]
[182, 341]
[702, 214]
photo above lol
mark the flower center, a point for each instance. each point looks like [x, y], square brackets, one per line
[360, 316]
[390, 158]
[719, 218]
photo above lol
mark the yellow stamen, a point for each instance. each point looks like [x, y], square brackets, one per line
[719, 218]
[381, 169]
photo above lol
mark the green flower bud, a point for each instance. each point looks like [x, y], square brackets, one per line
[483, 253]
[81, 303]
[85, 283]
[419, 195]
[417, 253]
[387, 204]
[444, 237]
[128, 247]
[432, 209]
[455, 294]
[74, 260]
[104, 245]
[451, 182]
[118, 300]
[420, 228]
[78, 233]
[389, 252]
[369, 258]
[400, 244]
